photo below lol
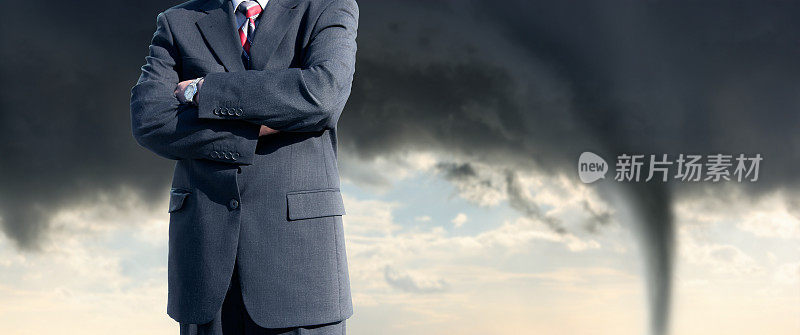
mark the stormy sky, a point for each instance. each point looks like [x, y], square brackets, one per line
[519, 83]
[512, 86]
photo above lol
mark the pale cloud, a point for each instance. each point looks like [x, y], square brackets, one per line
[391, 263]
[385, 256]
[423, 218]
[562, 202]
[772, 217]
[414, 282]
[518, 235]
[516, 272]
[565, 204]
[706, 237]
[94, 276]
[736, 254]
[381, 172]
[459, 220]
[720, 258]
[478, 183]
[788, 274]
[369, 217]
[578, 205]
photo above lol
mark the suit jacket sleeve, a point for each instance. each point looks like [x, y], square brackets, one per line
[172, 130]
[306, 98]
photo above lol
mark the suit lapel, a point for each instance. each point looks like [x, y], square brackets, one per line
[272, 26]
[219, 30]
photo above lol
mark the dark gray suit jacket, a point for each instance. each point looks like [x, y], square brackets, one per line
[274, 201]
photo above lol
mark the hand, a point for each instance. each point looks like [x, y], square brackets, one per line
[267, 131]
[181, 89]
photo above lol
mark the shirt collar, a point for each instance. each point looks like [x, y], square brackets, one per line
[260, 2]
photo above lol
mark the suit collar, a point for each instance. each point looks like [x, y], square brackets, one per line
[219, 30]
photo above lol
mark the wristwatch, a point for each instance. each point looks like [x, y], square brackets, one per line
[191, 91]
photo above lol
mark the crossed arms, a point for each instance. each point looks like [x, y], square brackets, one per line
[307, 98]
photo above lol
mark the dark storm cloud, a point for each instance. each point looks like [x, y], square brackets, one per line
[521, 84]
[517, 200]
[66, 75]
[597, 219]
[537, 82]
[524, 81]
[465, 173]
[514, 84]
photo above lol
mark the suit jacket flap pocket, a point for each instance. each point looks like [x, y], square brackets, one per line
[176, 199]
[314, 203]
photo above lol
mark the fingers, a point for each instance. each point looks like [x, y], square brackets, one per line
[180, 89]
[267, 131]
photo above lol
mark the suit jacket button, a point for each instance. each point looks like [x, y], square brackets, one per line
[215, 154]
[233, 203]
[239, 112]
[226, 155]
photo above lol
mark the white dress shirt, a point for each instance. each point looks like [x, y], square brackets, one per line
[240, 18]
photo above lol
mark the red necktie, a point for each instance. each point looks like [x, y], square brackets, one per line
[250, 9]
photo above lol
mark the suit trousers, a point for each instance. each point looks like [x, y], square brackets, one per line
[233, 319]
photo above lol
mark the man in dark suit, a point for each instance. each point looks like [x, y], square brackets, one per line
[245, 97]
